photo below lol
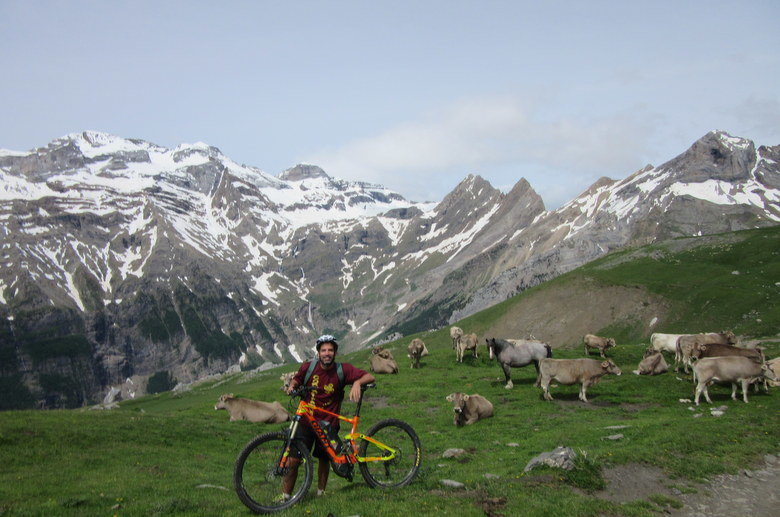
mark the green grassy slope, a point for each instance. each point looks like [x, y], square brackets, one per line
[173, 454]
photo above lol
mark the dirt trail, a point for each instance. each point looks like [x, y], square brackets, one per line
[751, 492]
[754, 492]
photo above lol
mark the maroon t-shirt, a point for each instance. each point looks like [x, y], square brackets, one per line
[330, 394]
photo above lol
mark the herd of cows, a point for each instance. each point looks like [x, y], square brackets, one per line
[713, 357]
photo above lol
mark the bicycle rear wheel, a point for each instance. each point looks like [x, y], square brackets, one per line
[399, 471]
[257, 480]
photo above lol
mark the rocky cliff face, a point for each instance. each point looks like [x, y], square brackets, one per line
[124, 261]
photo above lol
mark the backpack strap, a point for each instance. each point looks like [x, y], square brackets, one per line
[313, 365]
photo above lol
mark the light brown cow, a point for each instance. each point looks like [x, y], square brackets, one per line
[382, 361]
[469, 408]
[455, 334]
[467, 342]
[417, 349]
[774, 365]
[734, 369]
[599, 343]
[574, 371]
[286, 379]
[252, 410]
[652, 364]
[687, 342]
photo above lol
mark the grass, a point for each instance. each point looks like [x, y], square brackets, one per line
[173, 454]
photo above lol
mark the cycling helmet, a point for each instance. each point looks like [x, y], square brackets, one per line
[327, 338]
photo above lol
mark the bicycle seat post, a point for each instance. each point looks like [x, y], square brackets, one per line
[363, 389]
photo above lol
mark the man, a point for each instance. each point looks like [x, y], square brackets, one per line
[329, 396]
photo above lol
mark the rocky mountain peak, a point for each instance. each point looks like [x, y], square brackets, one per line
[302, 172]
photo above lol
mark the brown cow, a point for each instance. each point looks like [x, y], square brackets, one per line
[467, 342]
[733, 369]
[652, 364]
[599, 343]
[687, 342]
[382, 361]
[469, 408]
[252, 410]
[574, 371]
[417, 349]
[719, 350]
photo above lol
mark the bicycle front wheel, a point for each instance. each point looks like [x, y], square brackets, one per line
[258, 481]
[405, 451]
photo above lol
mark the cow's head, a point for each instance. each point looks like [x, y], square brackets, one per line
[222, 399]
[286, 379]
[611, 343]
[730, 337]
[698, 350]
[490, 344]
[610, 367]
[650, 351]
[767, 372]
[458, 404]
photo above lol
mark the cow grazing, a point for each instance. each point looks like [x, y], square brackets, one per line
[516, 353]
[733, 369]
[585, 372]
[455, 334]
[652, 364]
[286, 379]
[252, 410]
[599, 343]
[469, 408]
[417, 349]
[382, 361]
[687, 342]
[467, 342]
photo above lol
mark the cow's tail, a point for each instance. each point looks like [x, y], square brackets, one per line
[549, 350]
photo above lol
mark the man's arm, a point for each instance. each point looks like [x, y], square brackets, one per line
[354, 392]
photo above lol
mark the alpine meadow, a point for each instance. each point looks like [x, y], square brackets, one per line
[172, 454]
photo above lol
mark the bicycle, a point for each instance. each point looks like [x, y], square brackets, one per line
[388, 456]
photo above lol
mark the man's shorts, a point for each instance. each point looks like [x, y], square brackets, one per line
[306, 435]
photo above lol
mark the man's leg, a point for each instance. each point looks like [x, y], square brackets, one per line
[323, 471]
[288, 482]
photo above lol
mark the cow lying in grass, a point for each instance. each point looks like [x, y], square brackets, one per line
[469, 408]
[252, 410]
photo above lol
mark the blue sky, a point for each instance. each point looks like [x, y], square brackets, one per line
[414, 95]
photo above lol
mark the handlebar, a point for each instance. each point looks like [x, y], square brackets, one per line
[300, 391]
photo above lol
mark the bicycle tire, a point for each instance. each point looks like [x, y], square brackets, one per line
[401, 470]
[256, 481]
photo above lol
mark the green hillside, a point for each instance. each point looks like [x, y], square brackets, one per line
[173, 454]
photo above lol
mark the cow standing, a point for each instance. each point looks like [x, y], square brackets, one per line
[599, 343]
[585, 372]
[733, 369]
[467, 342]
[417, 350]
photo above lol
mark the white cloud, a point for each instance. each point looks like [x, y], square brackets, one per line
[491, 134]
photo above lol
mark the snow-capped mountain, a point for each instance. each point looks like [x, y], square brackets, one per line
[124, 260]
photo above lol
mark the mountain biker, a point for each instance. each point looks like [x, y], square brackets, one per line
[325, 376]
